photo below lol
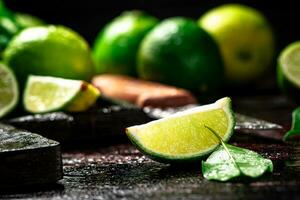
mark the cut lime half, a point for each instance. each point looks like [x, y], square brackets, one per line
[288, 70]
[45, 94]
[9, 92]
[183, 136]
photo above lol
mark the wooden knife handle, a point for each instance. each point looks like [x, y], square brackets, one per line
[142, 93]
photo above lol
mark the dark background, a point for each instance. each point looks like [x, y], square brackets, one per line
[89, 16]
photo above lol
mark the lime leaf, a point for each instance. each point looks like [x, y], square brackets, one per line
[229, 162]
[294, 133]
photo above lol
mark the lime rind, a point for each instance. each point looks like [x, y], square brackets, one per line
[224, 103]
[289, 63]
[84, 99]
[56, 92]
[8, 82]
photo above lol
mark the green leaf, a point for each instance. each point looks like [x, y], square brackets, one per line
[229, 162]
[294, 133]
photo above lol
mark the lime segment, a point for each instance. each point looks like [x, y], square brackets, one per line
[9, 93]
[183, 135]
[289, 62]
[45, 94]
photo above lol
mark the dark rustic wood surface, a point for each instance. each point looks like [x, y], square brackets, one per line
[121, 172]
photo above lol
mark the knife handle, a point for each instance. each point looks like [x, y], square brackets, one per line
[142, 93]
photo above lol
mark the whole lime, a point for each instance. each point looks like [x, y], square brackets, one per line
[245, 38]
[116, 46]
[51, 51]
[178, 52]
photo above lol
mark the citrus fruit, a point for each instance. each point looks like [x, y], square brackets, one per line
[9, 93]
[180, 53]
[183, 136]
[8, 26]
[245, 38]
[45, 94]
[25, 20]
[117, 44]
[50, 51]
[288, 70]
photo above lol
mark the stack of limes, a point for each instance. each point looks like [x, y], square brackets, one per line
[232, 43]
[175, 51]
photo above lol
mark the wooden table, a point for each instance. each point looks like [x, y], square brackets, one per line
[119, 171]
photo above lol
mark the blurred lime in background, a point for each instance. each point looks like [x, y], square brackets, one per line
[25, 20]
[116, 46]
[8, 26]
[178, 52]
[11, 23]
[288, 70]
[245, 38]
[49, 50]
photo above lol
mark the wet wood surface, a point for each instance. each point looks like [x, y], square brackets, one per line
[119, 171]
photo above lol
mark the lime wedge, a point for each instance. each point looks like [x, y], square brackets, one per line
[9, 92]
[288, 69]
[183, 136]
[45, 94]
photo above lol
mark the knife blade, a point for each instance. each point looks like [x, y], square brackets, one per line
[107, 123]
[244, 123]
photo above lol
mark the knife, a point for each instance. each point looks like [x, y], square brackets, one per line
[244, 124]
[106, 124]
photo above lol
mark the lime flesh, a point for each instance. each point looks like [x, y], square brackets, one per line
[9, 93]
[45, 94]
[289, 62]
[183, 136]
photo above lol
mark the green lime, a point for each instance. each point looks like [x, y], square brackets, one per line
[116, 46]
[8, 26]
[9, 93]
[178, 52]
[245, 38]
[25, 20]
[183, 136]
[50, 51]
[45, 94]
[288, 70]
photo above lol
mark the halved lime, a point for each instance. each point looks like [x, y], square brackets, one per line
[288, 70]
[183, 136]
[9, 92]
[46, 94]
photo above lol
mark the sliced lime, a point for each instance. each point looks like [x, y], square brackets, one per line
[183, 135]
[46, 94]
[288, 70]
[9, 92]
